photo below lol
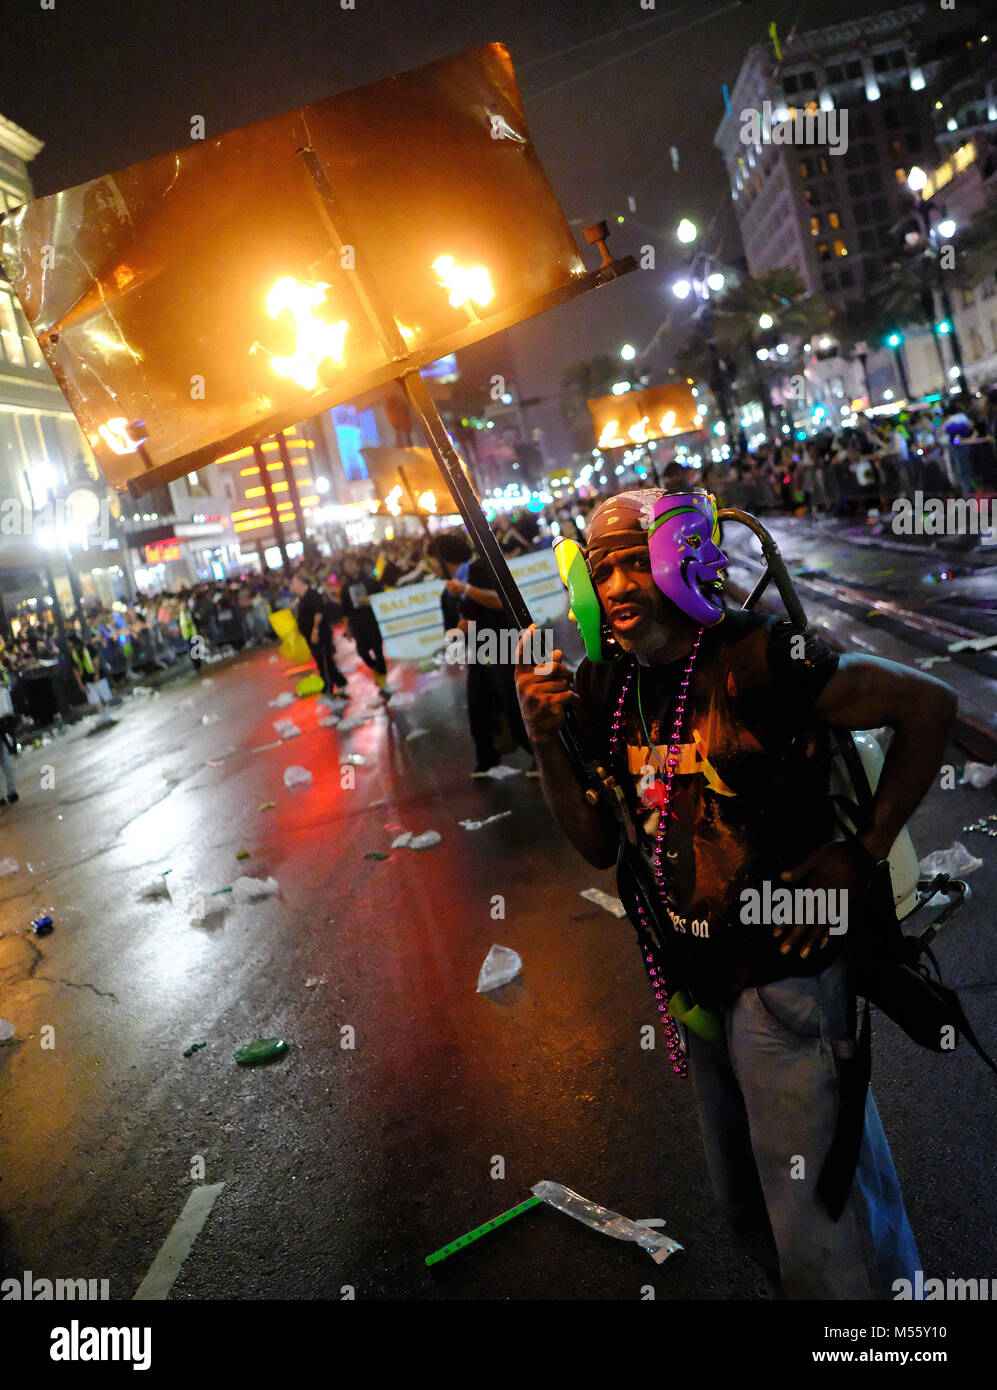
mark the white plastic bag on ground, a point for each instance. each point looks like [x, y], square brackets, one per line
[500, 771]
[329, 722]
[354, 722]
[978, 775]
[297, 776]
[245, 889]
[501, 965]
[290, 731]
[282, 701]
[400, 841]
[601, 899]
[8, 866]
[426, 840]
[281, 724]
[404, 699]
[956, 860]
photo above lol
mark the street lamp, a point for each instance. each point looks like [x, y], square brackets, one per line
[686, 231]
[765, 321]
[715, 281]
[917, 181]
[681, 289]
[628, 352]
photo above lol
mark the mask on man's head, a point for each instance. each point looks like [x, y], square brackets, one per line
[680, 530]
[685, 559]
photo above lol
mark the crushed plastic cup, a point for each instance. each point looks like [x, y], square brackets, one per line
[246, 889]
[329, 721]
[426, 840]
[297, 777]
[978, 775]
[400, 841]
[500, 771]
[7, 1030]
[282, 701]
[955, 860]
[601, 899]
[8, 866]
[290, 731]
[260, 1050]
[354, 722]
[286, 722]
[609, 1223]
[501, 965]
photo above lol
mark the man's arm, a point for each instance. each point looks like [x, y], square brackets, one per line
[487, 598]
[545, 695]
[866, 692]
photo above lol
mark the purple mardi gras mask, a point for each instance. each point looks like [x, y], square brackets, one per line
[686, 561]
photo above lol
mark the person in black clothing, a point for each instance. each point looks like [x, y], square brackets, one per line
[355, 591]
[716, 726]
[315, 616]
[491, 685]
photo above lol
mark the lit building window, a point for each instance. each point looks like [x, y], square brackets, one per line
[840, 249]
[833, 219]
[815, 226]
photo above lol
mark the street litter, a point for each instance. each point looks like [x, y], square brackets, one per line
[207, 682]
[354, 722]
[260, 1050]
[501, 965]
[498, 772]
[357, 759]
[246, 889]
[8, 866]
[986, 824]
[297, 776]
[194, 1047]
[309, 685]
[975, 644]
[415, 733]
[262, 747]
[926, 662]
[402, 840]
[242, 854]
[282, 701]
[601, 899]
[284, 723]
[480, 824]
[402, 699]
[272, 661]
[329, 721]
[291, 731]
[315, 980]
[210, 718]
[956, 860]
[41, 926]
[7, 1030]
[267, 805]
[155, 890]
[426, 840]
[610, 1223]
[480, 1231]
[375, 855]
[978, 774]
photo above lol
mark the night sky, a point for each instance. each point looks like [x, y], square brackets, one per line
[108, 83]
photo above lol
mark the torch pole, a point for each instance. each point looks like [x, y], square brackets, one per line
[278, 529]
[292, 487]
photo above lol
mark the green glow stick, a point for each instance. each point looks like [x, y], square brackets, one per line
[480, 1231]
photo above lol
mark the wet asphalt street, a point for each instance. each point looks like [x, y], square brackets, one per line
[344, 1166]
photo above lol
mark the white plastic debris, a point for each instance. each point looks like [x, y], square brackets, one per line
[290, 731]
[207, 683]
[210, 718]
[354, 722]
[601, 899]
[7, 1029]
[8, 866]
[324, 700]
[926, 662]
[282, 701]
[400, 841]
[480, 824]
[501, 965]
[297, 776]
[246, 889]
[500, 771]
[286, 722]
[329, 722]
[315, 980]
[426, 840]
[610, 1223]
[356, 759]
[272, 661]
[403, 699]
[956, 860]
[415, 733]
[978, 774]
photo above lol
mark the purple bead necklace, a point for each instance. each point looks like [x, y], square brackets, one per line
[655, 973]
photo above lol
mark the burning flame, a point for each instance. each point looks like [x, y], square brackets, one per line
[316, 340]
[667, 421]
[393, 499]
[638, 432]
[116, 436]
[464, 283]
[609, 437]
[427, 502]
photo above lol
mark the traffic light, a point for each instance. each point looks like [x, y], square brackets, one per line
[893, 340]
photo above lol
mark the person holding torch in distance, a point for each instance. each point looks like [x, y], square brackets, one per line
[714, 724]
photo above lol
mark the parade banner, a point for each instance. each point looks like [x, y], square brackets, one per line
[411, 620]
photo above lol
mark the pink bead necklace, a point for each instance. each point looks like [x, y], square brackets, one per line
[652, 963]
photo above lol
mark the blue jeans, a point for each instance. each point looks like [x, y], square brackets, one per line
[768, 1101]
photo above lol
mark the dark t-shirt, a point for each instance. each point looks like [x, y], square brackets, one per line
[479, 576]
[311, 604]
[750, 792]
[352, 593]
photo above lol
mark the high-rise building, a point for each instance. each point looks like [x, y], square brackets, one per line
[825, 209]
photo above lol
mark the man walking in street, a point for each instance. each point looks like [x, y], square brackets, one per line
[715, 725]
[316, 616]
